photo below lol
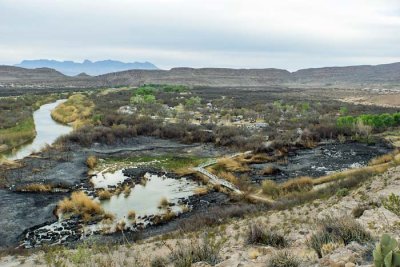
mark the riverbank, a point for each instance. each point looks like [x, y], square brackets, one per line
[66, 168]
[75, 111]
[14, 137]
[17, 123]
[231, 238]
[46, 132]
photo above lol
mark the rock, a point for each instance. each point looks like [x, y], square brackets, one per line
[345, 256]
[237, 259]
[374, 217]
[343, 209]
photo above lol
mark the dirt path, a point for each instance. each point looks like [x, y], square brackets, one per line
[214, 179]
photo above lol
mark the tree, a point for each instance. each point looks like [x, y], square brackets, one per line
[193, 101]
[143, 99]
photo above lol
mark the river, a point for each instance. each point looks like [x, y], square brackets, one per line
[47, 131]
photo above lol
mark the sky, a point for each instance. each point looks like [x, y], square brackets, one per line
[287, 34]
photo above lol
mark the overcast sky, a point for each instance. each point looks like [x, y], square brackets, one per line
[285, 34]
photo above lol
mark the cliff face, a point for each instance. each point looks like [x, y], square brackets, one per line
[387, 75]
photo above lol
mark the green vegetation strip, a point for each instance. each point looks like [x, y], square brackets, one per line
[16, 119]
[377, 121]
[146, 93]
[23, 132]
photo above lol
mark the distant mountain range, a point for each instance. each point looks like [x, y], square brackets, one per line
[72, 68]
[357, 77]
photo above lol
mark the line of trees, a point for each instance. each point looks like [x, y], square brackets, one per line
[376, 121]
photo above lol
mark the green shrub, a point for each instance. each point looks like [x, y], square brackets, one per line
[143, 99]
[386, 253]
[175, 88]
[145, 90]
[193, 101]
[377, 121]
[342, 192]
[392, 203]
[346, 121]
[343, 111]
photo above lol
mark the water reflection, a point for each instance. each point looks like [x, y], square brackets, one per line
[47, 131]
[145, 198]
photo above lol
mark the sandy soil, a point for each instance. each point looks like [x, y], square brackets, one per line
[390, 100]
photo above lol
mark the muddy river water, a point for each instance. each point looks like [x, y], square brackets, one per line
[145, 198]
[47, 131]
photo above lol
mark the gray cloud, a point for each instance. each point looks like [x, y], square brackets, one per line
[227, 33]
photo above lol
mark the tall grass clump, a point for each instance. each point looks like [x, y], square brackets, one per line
[257, 234]
[230, 164]
[297, 185]
[79, 204]
[36, 187]
[127, 190]
[91, 162]
[392, 203]
[77, 110]
[203, 250]
[355, 174]
[381, 159]
[283, 258]
[132, 215]
[255, 158]
[164, 203]
[301, 184]
[168, 216]
[104, 194]
[338, 230]
[201, 191]
[270, 188]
